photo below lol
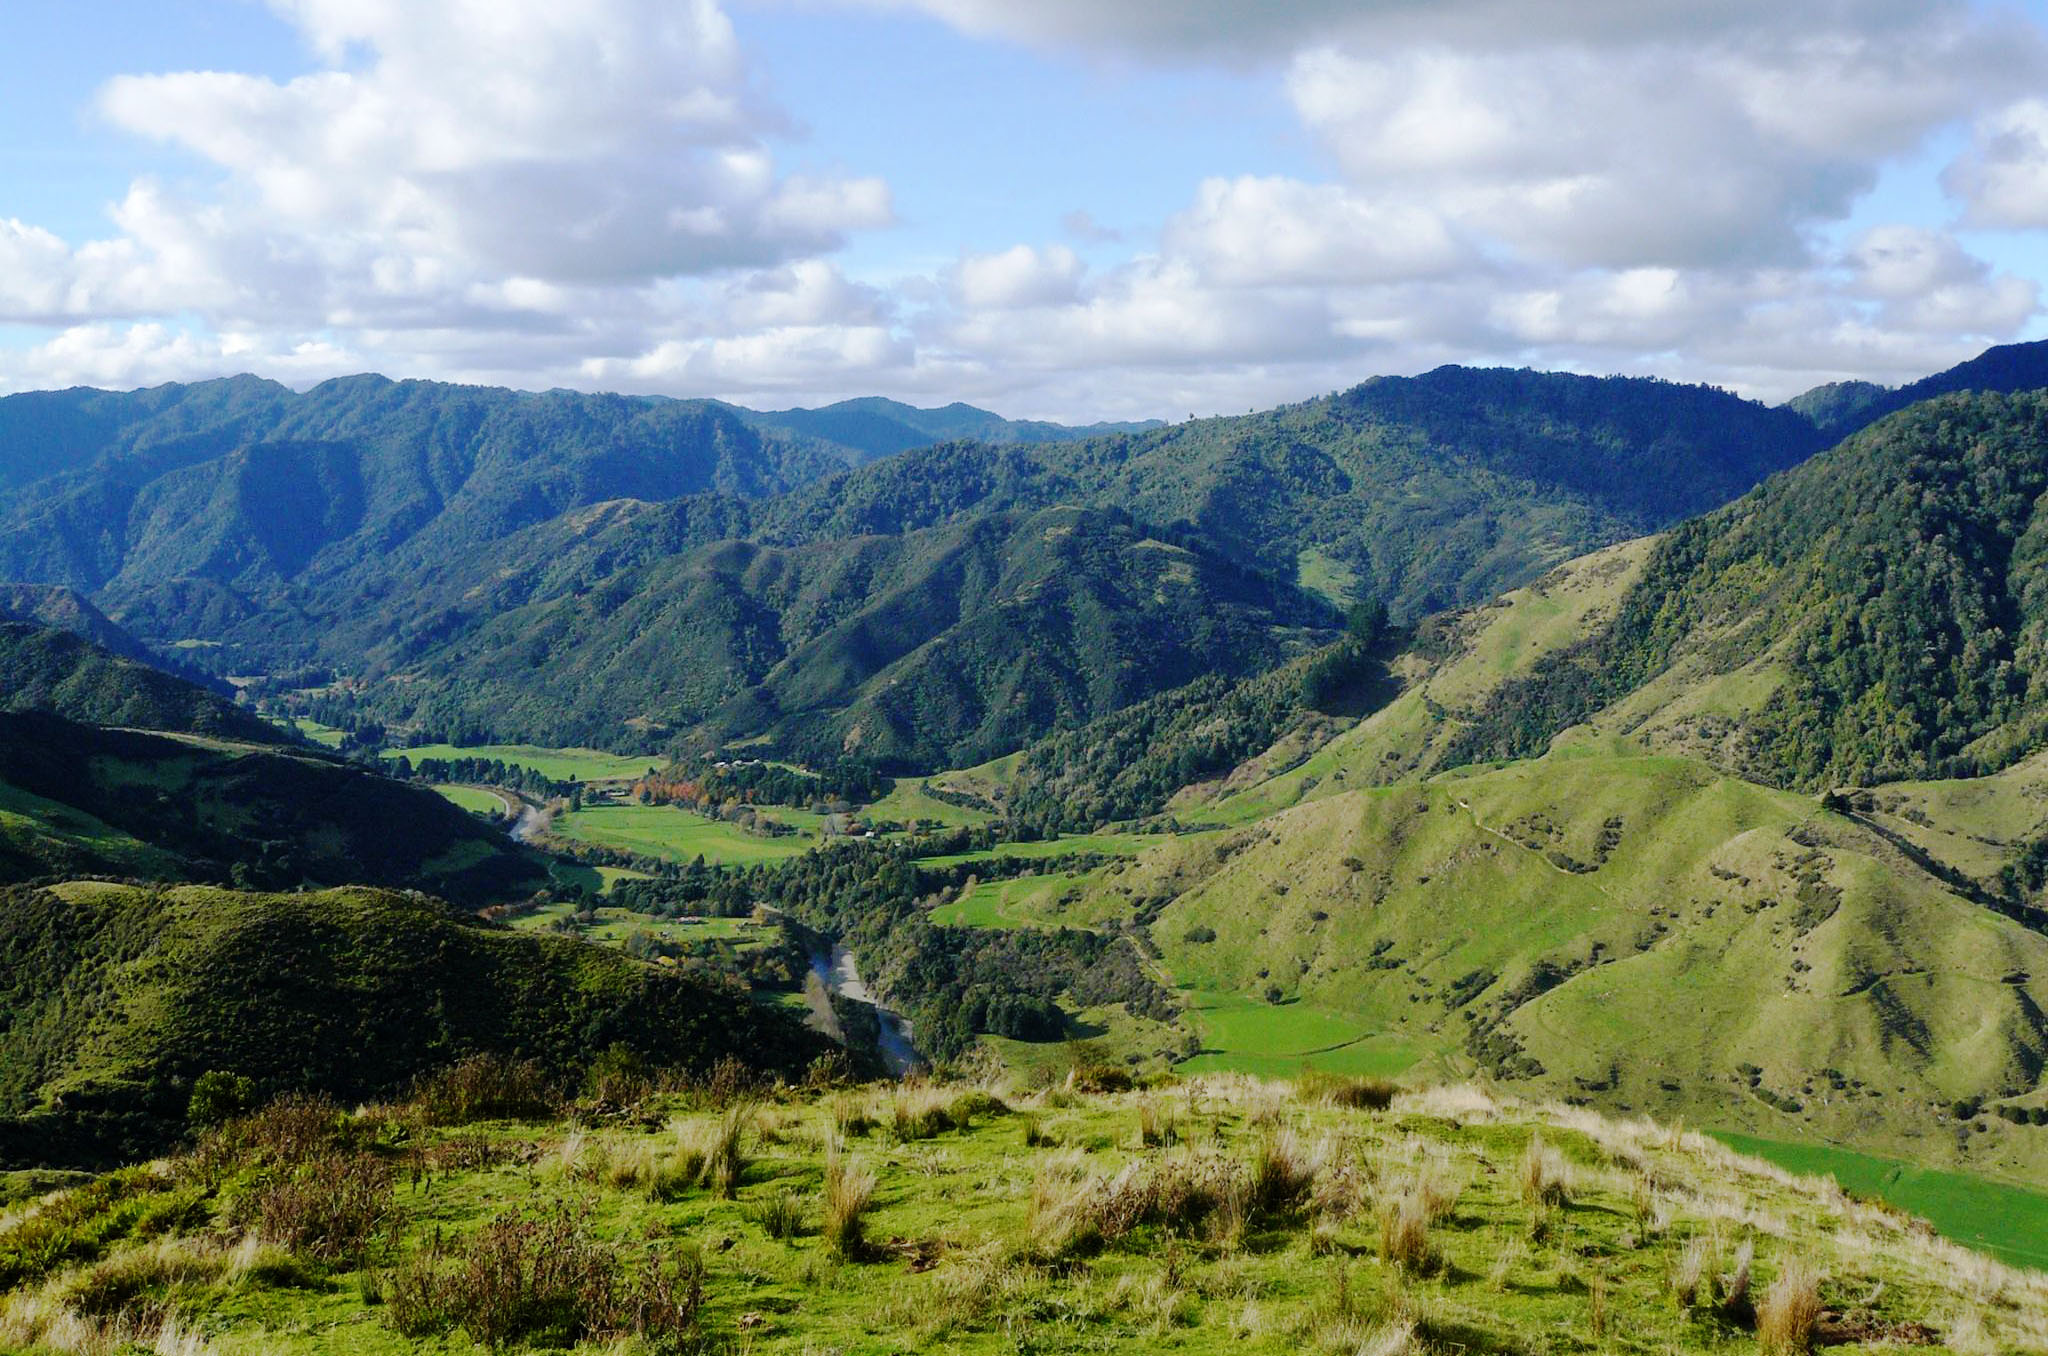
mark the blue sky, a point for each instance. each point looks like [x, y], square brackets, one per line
[1064, 210]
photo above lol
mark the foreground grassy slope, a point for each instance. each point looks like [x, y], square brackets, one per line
[113, 999]
[1221, 1215]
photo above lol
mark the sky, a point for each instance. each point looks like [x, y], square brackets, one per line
[1065, 209]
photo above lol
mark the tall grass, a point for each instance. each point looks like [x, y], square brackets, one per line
[849, 1192]
[1790, 1311]
[1545, 1177]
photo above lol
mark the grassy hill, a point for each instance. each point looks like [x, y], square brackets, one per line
[1218, 1215]
[113, 999]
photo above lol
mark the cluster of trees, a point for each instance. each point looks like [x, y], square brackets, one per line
[479, 772]
[836, 785]
[953, 983]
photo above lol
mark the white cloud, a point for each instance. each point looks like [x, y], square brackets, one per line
[1264, 231]
[534, 192]
[2003, 178]
[1017, 277]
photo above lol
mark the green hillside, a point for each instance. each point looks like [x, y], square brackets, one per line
[113, 999]
[57, 671]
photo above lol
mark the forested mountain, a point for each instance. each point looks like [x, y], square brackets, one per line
[929, 648]
[1879, 613]
[66, 609]
[1435, 488]
[1422, 491]
[612, 570]
[1843, 407]
[872, 427]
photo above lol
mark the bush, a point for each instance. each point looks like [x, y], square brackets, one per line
[538, 1277]
[486, 1087]
[329, 1208]
[1545, 1177]
[1357, 1094]
[1404, 1234]
[779, 1214]
[219, 1097]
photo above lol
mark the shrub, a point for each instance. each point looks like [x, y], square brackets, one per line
[486, 1087]
[1790, 1311]
[725, 1159]
[1735, 1302]
[143, 1286]
[1155, 1125]
[849, 1190]
[1690, 1272]
[538, 1277]
[1282, 1174]
[291, 1130]
[328, 1208]
[1357, 1094]
[219, 1097]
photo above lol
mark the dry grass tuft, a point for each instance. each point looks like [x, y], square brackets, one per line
[1790, 1311]
[1545, 1176]
[849, 1191]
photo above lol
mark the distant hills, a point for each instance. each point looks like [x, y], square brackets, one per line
[630, 573]
[873, 427]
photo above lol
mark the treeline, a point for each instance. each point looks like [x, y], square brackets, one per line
[704, 784]
[479, 772]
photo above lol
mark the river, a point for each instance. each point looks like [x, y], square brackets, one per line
[841, 974]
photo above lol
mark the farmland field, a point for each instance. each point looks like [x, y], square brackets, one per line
[1021, 902]
[473, 799]
[1113, 844]
[908, 803]
[1243, 1035]
[562, 765]
[2007, 1221]
[677, 835]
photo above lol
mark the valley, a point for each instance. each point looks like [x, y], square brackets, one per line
[1069, 769]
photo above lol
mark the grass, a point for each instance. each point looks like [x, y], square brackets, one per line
[678, 835]
[1019, 902]
[1243, 1034]
[2006, 1221]
[473, 799]
[561, 765]
[1107, 844]
[1271, 1224]
[907, 803]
